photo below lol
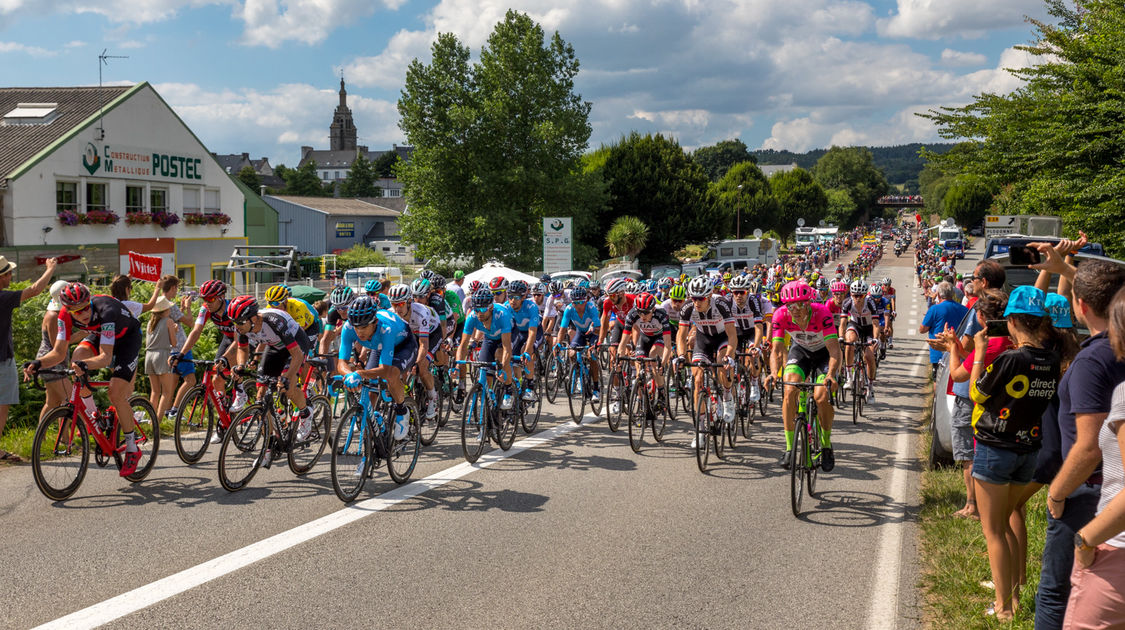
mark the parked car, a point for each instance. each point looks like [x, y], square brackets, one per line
[631, 274]
[564, 276]
[665, 271]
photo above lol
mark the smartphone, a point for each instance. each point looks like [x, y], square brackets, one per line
[997, 328]
[1023, 255]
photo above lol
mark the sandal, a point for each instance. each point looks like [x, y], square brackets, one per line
[5, 456]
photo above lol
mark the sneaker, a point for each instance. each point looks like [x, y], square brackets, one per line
[129, 465]
[728, 410]
[595, 397]
[506, 403]
[786, 460]
[431, 407]
[615, 407]
[401, 428]
[267, 459]
[848, 384]
[827, 460]
[217, 436]
[755, 392]
[528, 395]
[304, 427]
[239, 401]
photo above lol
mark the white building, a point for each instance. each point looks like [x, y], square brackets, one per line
[87, 154]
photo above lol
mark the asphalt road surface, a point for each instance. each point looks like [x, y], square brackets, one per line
[569, 529]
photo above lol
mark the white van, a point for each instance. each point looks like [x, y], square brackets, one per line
[359, 276]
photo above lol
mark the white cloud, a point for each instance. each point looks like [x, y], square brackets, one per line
[75, 44]
[16, 47]
[952, 57]
[934, 19]
[305, 21]
[128, 11]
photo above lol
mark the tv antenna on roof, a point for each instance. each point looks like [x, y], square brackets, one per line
[103, 60]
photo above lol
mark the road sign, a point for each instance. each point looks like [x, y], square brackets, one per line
[800, 223]
[1000, 225]
[557, 244]
[757, 232]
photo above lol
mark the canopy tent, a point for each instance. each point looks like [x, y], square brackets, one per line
[491, 270]
[307, 293]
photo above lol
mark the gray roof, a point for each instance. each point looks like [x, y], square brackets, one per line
[20, 143]
[234, 162]
[326, 158]
[398, 204]
[338, 206]
[771, 169]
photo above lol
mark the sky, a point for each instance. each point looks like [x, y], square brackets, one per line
[261, 76]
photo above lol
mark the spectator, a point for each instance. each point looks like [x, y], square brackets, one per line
[55, 386]
[988, 274]
[945, 313]
[1098, 578]
[158, 349]
[1085, 397]
[9, 302]
[458, 284]
[168, 286]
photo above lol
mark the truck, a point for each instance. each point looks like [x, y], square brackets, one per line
[738, 253]
[806, 238]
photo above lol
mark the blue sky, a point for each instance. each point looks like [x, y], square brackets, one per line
[261, 75]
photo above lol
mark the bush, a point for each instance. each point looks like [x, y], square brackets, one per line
[360, 256]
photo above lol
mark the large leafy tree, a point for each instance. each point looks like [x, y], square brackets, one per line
[852, 169]
[1055, 145]
[966, 200]
[718, 158]
[744, 200]
[627, 236]
[303, 181]
[799, 196]
[250, 177]
[497, 144]
[651, 178]
[840, 206]
[360, 181]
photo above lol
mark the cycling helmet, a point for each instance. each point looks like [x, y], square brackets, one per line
[877, 290]
[822, 284]
[399, 293]
[859, 287]
[420, 288]
[482, 298]
[545, 278]
[362, 311]
[615, 286]
[212, 289]
[538, 289]
[594, 284]
[716, 282]
[583, 283]
[373, 286]
[427, 274]
[474, 286]
[645, 303]
[699, 287]
[578, 294]
[438, 282]
[754, 286]
[677, 293]
[665, 284]
[796, 292]
[278, 294]
[739, 283]
[242, 308]
[517, 289]
[887, 281]
[341, 296]
[630, 286]
[839, 287]
[498, 284]
[74, 295]
[555, 287]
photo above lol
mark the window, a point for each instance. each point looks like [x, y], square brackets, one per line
[134, 199]
[392, 192]
[66, 196]
[186, 274]
[211, 201]
[96, 197]
[191, 200]
[337, 175]
[158, 200]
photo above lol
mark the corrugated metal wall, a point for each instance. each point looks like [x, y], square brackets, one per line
[301, 227]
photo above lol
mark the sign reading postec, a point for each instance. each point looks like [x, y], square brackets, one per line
[131, 162]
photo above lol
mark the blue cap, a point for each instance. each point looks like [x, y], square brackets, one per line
[1058, 307]
[1025, 300]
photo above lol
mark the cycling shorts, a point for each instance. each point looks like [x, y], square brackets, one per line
[863, 333]
[274, 360]
[588, 338]
[126, 349]
[803, 361]
[615, 330]
[745, 339]
[406, 354]
[224, 344]
[519, 340]
[646, 344]
[707, 347]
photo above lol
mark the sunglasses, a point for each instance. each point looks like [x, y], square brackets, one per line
[75, 311]
[738, 292]
[700, 299]
[482, 309]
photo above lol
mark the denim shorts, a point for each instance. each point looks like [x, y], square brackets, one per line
[1001, 466]
[962, 428]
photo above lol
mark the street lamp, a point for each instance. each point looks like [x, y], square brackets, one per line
[738, 215]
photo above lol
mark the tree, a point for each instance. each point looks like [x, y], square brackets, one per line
[304, 182]
[496, 144]
[384, 165]
[852, 169]
[1055, 145]
[627, 237]
[360, 256]
[799, 196]
[651, 178]
[717, 159]
[250, 177]
[967, 200]
[840, 206]
[743, 195]
[360, 181]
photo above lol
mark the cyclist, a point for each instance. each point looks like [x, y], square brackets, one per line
[494, 321]
[889, 328]
[582, 317]
[392, 347]
[748, 322]
[426, 328]
[882, 306]
[860, 322]
[548, 315]
[499, 288]
[614, 308]
[280, 296]
[672, 306]
[114, 341]
[214, 309]
[815, 347]
[456, 319]
[715, 338]
[835, 304]
[651, 334]
[525, 328]
[341, 298]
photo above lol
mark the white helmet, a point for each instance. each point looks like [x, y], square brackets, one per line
[699, 287]
[617, 285]
[859, 287]
[877, 290]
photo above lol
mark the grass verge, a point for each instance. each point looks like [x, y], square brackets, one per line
[954, 558]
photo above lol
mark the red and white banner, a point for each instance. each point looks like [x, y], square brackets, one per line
[144, 267]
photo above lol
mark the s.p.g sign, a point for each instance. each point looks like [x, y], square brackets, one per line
[137, 163]
[557, 246]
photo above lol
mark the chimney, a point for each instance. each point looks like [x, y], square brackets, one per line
[305, 151]
[246, 156]
[262, 190]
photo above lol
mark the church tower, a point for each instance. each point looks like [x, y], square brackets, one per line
[342, 133]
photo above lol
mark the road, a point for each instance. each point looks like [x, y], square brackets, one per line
[568, 529]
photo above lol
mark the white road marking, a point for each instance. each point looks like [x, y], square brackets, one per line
[145, 596]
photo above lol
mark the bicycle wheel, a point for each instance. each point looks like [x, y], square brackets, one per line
[797, 470]
[445, 395]
[147, 435]
[243, 448]
[60, 454]
[402, 455]
[428, 428]
[474, 424]
[576, 393]
[304, 454]
[703, 421]
[555, 377]
[669, 404]
[814, 452]
[195, 420]
[352, 455]
[532, 410]
[507, 422]
[637, 412]
[616, 397]
[857, 393]
[661, 416]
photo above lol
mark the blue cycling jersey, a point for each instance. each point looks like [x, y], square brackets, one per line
[587, 321]
[526, 317]
[501, 322]
[390, 332]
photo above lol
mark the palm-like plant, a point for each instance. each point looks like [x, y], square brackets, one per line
[627, 236]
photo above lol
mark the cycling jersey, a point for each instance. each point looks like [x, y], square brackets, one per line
[279, 331]
[615, 311]
[813, 336]
[109, 318]
[712, 322]
[423, 321]
[440, 308]
[837, 311]
[301, 312]
[655, 327]
[219, 318]
[764, 306]
[584, 323]
[527, 317]
[746, 316]
[391, 332]
[500, 323]
[672, 311]
[547, 309]
[335, 319]
[863, 314]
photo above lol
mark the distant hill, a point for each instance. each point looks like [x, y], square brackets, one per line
[900, 163]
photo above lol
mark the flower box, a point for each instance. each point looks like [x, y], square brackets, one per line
[165, 219]
[101, 217]
[197, 218]
[138, 218]
[70, 217]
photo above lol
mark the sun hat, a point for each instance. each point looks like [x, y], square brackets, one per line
[1058, 307]
[54, 291]
[6, 266]
[1025, 300]
[162, 304]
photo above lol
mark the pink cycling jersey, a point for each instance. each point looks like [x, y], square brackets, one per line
[812, 337]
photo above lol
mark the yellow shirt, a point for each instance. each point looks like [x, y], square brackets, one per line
[300, 312]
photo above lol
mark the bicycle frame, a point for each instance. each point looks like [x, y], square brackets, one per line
[79, 415]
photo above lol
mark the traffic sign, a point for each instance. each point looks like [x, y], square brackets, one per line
[1000, 225]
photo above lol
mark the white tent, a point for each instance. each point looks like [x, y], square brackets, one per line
[491, 270]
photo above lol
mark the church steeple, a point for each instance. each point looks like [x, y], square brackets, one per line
[342, 132]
